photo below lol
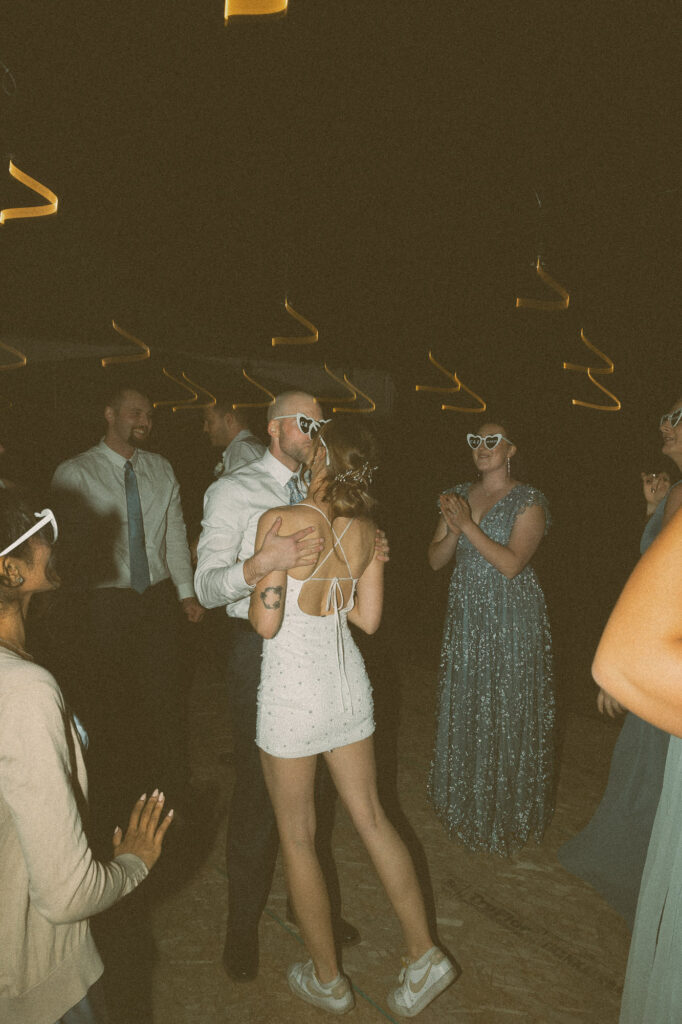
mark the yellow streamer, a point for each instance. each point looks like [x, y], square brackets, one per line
[198, 404]
[459, 386]
[254, 405]
[590, 370]
[548, 304]
[22, 360]
[19, 212]
[356, 391]
[253, 7]
[306, 339]
[138, 357]
[174, 401]
[329, 400]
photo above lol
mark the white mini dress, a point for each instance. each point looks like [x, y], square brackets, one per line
[314, 692]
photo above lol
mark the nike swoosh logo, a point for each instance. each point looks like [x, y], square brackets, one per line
[415, 988]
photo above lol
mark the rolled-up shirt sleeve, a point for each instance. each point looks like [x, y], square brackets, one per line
[219, 576]
[66, 883]
[178, 558]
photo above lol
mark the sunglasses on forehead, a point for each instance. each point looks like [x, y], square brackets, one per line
[45, 518]
[306, 424]
[673, 418]
[490, 441]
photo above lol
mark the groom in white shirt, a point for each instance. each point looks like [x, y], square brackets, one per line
[228, 569]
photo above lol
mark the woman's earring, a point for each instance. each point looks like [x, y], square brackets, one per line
[508, 466]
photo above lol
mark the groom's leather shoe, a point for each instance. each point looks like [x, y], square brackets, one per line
[240, 955]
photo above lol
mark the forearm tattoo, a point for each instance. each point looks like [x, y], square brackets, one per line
[272, 597]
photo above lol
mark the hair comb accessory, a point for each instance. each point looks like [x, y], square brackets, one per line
[363, 475]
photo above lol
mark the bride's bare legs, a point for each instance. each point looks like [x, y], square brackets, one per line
[353, 770]
[291, 784]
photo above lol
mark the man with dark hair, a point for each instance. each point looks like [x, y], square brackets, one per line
[120, 509]
[228, 428]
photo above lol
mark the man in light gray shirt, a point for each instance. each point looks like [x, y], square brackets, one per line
[228, 428]
[228, 569]
[120, 514]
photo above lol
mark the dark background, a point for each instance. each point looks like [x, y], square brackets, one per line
[395, 168]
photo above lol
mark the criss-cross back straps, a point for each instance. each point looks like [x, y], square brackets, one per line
[337, 540]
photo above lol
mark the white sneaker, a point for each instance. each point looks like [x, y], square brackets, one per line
[420, 982]
[336, 996]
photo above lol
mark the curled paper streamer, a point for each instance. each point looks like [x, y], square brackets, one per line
[459, 386]
[197, 404]
[253, 7]
[21, 358]
[254, 405]
[548, 304]
[137, 357]
[590, 370]
[331, 399]
[20, 212]
[356, 391]
[309, 339]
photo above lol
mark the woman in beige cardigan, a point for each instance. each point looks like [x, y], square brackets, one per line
[50, 883]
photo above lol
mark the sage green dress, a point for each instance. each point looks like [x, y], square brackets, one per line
[491, 778]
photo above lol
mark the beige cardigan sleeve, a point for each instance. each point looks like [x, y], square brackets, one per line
[37, 780]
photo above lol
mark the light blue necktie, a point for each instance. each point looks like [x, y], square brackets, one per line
[294, 489]
[139, 566]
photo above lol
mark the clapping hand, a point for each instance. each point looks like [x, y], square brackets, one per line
[606, 704]
[145, 832]
[381, 547]
[456, 512]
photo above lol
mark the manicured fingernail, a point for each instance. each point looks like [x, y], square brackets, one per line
[161, 797]
[155, 794]
[143, 797]
[170, 813]
[117, 829]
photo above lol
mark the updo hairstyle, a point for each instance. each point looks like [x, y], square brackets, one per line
[352, 463]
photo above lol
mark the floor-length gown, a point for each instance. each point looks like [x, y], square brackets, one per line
[491, 778]
[609, 853]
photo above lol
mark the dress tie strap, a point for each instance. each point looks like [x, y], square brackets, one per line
[334, 604]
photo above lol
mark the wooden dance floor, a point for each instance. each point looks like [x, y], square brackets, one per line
[533, 943]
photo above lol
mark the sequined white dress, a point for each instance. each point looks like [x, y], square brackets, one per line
[491, 777]
[314, 692]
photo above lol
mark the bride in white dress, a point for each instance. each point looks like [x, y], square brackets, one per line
[315, 698]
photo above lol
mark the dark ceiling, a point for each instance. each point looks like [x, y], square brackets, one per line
[394, 167]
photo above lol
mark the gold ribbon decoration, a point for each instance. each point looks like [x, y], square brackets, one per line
[137, 357]
[187, 385]
[590, 370]
[197, 387]
[21, 358]
[20, 212]
[547, 304]
[254, 405]
[254, 7]
[459, 386]
[308, 339]
[344, 404]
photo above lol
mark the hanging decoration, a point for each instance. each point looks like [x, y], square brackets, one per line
[233, 8]
[255, 405]
[590, 370]
[187, 385]
[21, 212]
[21, 358]
[459, 386]
[546, 304]
[308, 339]
[137, 357]
[345, 404]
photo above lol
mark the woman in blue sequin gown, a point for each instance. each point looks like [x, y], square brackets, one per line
[491, 779]
[609, 853]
